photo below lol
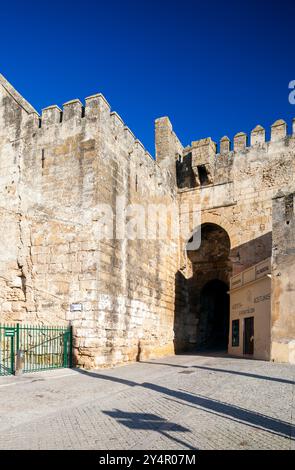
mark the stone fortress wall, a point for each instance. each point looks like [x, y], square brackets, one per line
[138, 298]
[55, 169]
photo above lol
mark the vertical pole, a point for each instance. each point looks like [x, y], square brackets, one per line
[71, 348]
[12, 354]
[19, 357]
[65, 345]
[17, 339]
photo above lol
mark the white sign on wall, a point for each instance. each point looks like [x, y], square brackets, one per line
[76, 307]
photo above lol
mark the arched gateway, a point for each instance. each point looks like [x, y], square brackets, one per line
[202, 320]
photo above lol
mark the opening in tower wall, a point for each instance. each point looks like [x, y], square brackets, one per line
[202, 300]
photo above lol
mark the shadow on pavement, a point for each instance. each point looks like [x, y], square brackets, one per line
[225, 371]
[225, 410]
[149, 421]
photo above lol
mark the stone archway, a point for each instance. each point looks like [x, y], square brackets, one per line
[211, 266]
[196, 304]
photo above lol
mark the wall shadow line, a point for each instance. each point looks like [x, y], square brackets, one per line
[227, 371]
[242, 415]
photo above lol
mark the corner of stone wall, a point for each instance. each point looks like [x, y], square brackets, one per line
[283, 285]
[168, 147]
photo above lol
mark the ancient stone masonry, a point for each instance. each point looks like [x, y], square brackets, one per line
[283, 279]
[133, 298]
[55, 169]
[235, 188]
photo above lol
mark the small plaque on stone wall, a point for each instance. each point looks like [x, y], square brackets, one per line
[76, 307]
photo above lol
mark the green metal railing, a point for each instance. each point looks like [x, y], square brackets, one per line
[34, 348]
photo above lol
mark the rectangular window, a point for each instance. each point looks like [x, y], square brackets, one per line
[289, 207]
[235, 333]
[203, 175]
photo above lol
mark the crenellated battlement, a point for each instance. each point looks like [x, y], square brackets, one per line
[90, 141]
[97, 112]
[257, 135]
[202, 162]
[94, 120]
[242, 141]
[51, 115]
[74, 109]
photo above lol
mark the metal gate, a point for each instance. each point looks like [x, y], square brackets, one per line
[7, 354]
[34, 348]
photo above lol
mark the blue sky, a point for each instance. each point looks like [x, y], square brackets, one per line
[214, 68]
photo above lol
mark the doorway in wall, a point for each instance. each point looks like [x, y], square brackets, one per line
[209, 285]
[213, 324]
[249, 336]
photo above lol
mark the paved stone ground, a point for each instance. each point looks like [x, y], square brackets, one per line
[181, 402]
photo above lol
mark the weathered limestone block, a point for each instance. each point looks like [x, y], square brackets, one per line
[258, 135]
[278, 130]
[51, 115]
[72, 110]
[240, 141]
[224, 145]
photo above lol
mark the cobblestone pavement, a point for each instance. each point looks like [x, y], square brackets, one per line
[181, 402]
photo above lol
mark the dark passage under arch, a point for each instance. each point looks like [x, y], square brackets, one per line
[201, 299]
[214, 315]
